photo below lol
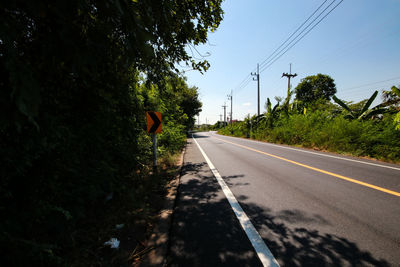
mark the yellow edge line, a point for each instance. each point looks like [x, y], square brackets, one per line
[319, 170]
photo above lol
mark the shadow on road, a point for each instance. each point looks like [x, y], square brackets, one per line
[199, 135]
[298, 246]
[205, 231]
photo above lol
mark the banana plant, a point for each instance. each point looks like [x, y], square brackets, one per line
[247, 123]
[365, 111]
[396, 90]
[396, 121]
[271, 113]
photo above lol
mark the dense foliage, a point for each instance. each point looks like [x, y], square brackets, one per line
[76, 80]
[315, 87]
[352, 128]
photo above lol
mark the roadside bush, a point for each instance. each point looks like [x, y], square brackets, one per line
[77, 78]
[373, 138]
[172, 138]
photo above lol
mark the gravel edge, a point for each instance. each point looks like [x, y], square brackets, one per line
[159, 239]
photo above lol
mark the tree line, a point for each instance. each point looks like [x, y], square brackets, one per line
[77, 78]
[312, 120]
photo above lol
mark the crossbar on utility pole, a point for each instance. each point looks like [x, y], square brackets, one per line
[257, 78]
[289, 75]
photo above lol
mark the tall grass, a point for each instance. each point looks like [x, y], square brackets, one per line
[320, 130]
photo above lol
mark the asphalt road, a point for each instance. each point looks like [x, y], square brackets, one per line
[310, 208]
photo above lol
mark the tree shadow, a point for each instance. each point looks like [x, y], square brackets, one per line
[298, 246]
[204, 227]
[197, 136]
[206, 232]
[229, 180]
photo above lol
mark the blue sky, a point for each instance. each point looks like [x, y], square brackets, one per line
[357, 45]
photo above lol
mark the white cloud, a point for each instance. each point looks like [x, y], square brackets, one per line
[247, 104]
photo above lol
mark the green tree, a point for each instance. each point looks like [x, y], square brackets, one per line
[191, 105]
[315, 87]
[76, 80]
[96, 37]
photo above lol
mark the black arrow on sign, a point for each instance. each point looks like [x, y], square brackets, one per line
[156, 121]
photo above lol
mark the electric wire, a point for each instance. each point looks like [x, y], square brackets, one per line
[243, 84]
[362, 42]
[368, 84]
[247, 79]
[276, 58]
[267, 63]
[242, 87]
[265, 60]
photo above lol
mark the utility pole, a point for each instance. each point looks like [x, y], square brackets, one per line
[289, 75]
[230, 97]
[257, 78]
[224, 106]
[220, 117]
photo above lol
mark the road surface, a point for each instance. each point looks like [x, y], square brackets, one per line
[309, 208]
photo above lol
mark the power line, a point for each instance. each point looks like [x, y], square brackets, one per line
[363, 41]
[244, 83]
[294, 32]
[302, 35]
[275, 56]
[364, 85]
[294, 39]
[244, 86]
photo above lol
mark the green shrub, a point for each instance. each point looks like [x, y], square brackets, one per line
[172, 138]
[319, 129]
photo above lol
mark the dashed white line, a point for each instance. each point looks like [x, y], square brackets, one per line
[263, 252]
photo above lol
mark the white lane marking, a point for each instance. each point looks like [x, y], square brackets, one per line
[319, 154]
[263, 252]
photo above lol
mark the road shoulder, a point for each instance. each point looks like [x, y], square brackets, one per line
[205, 231]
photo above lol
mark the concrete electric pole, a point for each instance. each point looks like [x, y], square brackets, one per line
[230, 97]
[224, 106]
[289, 75]
[257, 78]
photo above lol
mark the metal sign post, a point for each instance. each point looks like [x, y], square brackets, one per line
[154, 127]
[154, 151]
